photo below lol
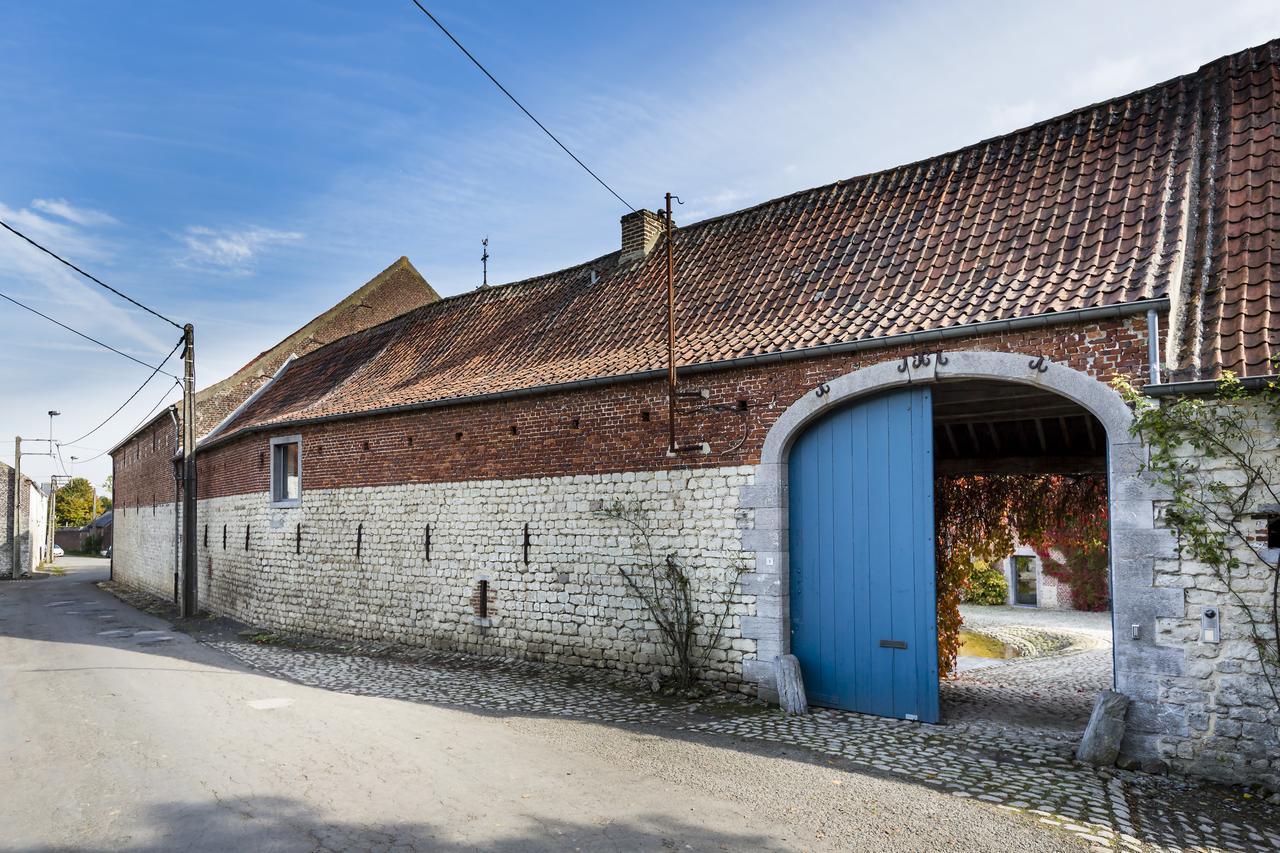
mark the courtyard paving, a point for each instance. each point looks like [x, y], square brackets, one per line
[1024, 768]
[1048, 693]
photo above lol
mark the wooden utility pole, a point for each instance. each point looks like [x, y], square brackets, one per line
[14, 571]
[189, 600]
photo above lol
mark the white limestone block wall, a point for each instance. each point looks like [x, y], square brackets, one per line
[569, 604]
[142, 554]
[1220, 718]
[35, 530]
[33, 536]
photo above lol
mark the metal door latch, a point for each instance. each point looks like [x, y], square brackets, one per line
[893, 644]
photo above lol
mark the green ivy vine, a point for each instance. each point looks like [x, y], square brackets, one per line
[1217, 460]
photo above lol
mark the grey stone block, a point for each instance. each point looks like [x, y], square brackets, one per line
[771, 518]
[1141, 751]
[1157, 718]
[790, 685]
[1137, 487]
[758, 670]
[761, 628]
[761, 495]
[1132, 514]
[1126, 458]
[1136, 657]
[771, 606]
[1144, 543]
[755, 583]
[1100, 745]
[764, 540]
[1132, 574]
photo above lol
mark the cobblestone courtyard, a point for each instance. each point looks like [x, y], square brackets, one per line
[1028, 769]
[1049, 692]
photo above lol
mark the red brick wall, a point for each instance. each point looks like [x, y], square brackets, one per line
[476, 441]
[142, 470]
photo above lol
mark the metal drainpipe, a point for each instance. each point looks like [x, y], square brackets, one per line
[177, 502]
[1153, 346]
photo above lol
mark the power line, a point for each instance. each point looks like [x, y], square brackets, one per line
[532, 118]
[145, 418]
[82, 334]
[92, 278]
[131, 396]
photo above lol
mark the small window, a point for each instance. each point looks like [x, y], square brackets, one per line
[286, 471]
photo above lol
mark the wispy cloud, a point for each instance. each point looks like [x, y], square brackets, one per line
[40, 281]
[64, 209]
[231, 250]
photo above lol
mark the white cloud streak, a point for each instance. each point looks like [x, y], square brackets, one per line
[64, 209]
[230, 250]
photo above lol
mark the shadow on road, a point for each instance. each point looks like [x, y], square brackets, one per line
[1064, 794]
[279, 823]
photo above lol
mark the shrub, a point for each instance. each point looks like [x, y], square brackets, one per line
[987, 585]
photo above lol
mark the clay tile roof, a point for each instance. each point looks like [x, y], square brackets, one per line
[395, 290]
[1172, 191]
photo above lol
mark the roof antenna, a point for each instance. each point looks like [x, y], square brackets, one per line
[484, 260]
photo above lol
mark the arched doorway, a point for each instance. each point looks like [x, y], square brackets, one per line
[775, 527]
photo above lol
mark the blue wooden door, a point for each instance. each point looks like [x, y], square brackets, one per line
[863, 606]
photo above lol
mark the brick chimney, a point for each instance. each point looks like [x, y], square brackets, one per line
[641, 231]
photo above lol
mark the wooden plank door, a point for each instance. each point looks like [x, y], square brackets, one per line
[862, 589]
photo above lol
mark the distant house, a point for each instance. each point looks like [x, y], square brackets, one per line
[436, 476]
[32, 519]
[1031, 586]
[75, 538]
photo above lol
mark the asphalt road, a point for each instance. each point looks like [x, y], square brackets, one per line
[111, 739]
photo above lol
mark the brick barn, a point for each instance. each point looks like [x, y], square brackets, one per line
[429, 470]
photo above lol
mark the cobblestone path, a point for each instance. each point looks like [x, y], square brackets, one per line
[1022, 768]
[1052, 695]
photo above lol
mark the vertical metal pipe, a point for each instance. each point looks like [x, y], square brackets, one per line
[1153, 346]
[671, 336]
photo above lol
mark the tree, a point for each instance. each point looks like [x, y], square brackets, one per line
[75, 503]
[981, 518]
[104, 505]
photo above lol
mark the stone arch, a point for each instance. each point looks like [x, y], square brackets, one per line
[1136, 602]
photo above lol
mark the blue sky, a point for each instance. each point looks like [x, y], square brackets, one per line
[244, 165]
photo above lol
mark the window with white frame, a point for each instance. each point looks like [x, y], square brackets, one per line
[286, 471]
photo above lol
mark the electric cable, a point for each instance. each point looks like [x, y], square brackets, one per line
[531, 116]
[82, 334]
[144, 384]
[145, 418]
[92, 278]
